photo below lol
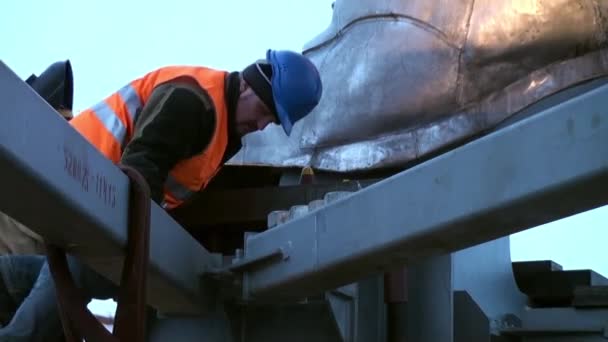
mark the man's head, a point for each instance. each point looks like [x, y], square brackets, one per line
[283, 89]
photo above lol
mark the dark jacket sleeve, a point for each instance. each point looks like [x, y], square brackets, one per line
[176, 123]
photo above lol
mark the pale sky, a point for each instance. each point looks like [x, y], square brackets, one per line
[111, 42]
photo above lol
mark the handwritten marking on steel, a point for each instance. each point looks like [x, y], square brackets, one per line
[89, 180]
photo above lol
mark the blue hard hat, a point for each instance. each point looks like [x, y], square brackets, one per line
[296, 86]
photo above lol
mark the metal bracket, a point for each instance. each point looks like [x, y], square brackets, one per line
[248, 263]
[241, 264]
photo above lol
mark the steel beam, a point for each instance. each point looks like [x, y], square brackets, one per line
[252, 205]
[540, 169]
[564, 320]
[57, 184]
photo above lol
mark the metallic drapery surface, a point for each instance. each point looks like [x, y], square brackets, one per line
[405, 77]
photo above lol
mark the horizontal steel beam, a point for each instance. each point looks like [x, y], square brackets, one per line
[564, 320]
[252, 205]
[543, 168]
[57, 184]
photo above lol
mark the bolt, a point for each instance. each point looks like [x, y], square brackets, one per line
[298, 211]
[277, 217]
[335, 195]
[316, 204]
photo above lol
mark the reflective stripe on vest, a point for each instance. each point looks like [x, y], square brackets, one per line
[110, 118]
[176, 189]
[190, 176]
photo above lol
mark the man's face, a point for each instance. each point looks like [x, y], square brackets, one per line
[251, 113]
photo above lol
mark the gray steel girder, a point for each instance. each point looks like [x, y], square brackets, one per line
[57, 184]
[543, 168]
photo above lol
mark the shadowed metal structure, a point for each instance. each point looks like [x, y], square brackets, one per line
[314, 273]
[535, 171]
[422, 255]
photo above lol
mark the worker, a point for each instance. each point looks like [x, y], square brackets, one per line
[176, 125]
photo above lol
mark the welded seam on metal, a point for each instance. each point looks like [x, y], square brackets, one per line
[383, 16]
[459, 74]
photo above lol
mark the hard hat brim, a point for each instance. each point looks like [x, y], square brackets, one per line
[282, 113]
[284, 118]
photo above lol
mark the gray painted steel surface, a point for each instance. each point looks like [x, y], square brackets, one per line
[61, 187]
[537, 170]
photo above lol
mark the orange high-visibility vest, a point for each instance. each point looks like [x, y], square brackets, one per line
[109, 126]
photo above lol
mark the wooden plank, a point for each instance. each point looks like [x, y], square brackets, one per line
[557, 288]
[591, 296]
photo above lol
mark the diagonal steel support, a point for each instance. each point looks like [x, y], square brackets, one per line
[546, 167]
[57, 184]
